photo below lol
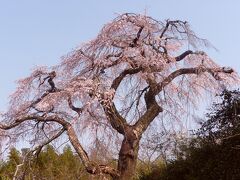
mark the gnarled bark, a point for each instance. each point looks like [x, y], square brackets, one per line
[128, 154]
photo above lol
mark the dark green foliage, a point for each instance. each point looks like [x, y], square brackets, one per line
[7, 168]
[223, 121]
[151, 171]
[48, 165]
[208, 161]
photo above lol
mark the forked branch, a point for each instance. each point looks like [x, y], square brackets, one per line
[171, 23]
[153, 109]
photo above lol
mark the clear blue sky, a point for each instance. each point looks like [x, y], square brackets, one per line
[40, 32]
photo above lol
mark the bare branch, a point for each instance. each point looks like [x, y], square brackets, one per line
[53, 89]
[183, 55]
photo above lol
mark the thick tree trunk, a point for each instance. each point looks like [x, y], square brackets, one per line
[128, 156]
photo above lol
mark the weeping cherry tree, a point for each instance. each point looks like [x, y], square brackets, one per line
[112, 88]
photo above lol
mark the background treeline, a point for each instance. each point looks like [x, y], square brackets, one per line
[48, 165]
[212, 153]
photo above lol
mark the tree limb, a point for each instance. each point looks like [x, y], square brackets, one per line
[143, 122]
[116, 82]
[90, 166]
[186, 53]
[115, 119]
[135, 40]
[34, 117]
[39, 148]
[172, 23]
[153, 109]
[158, 88]
[74, 108]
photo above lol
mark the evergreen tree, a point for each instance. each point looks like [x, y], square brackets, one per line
[224, 121]
[8, 168]
[47, 165]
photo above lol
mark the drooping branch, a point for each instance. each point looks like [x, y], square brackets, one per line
[213, 71]
[39, 148]
[34, 117]
[90, 166]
